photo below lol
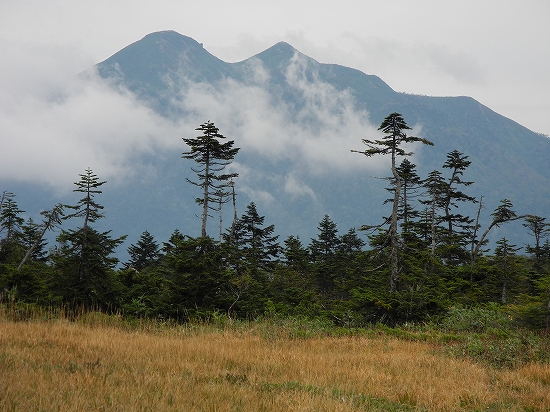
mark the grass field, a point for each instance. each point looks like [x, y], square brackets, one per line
[100, 363]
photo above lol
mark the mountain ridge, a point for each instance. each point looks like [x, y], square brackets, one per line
[452, 122]
[508, 160]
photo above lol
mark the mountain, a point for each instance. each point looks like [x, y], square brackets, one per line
[147, 67]
[507, 158]
[284, 163]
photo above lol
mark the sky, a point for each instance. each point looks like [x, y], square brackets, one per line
[52, 123]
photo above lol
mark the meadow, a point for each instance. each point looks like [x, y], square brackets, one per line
[97, 362]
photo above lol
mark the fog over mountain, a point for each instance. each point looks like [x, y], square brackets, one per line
[294, 119]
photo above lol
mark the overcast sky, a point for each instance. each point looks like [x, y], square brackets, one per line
[497, 52]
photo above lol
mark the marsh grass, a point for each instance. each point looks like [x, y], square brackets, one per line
[95, 361]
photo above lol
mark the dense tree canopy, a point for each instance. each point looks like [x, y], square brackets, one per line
[433, 256]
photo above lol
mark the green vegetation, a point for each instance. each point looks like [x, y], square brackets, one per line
[427, 261]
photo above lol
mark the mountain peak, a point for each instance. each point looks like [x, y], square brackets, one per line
[280, 54]
[283, 46]
[153, 46]
[172, 38]
[145, 66]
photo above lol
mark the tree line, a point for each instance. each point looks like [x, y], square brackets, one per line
[416, 263]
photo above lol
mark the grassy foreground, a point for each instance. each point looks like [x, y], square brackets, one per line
[99, 363]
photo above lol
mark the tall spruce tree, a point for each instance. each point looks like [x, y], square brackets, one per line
[458, 228]
[507, 267]
[411, 184]
[213, 157]
[11, 227]
[87, 209]
[436, 187]
[296, 256]
[84, 256]
[292, 288]
[144, 253]
[394, 127]
[327, 241]
[457, 162]
[196, 269]
[252, 252]
[539, 229]
[323, 254]
[35, 234]
[257, 244]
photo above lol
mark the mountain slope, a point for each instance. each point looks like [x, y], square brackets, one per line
[295, 120]
[152, 66]
[508, 160]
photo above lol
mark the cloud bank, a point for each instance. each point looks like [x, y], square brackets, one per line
[54, 124]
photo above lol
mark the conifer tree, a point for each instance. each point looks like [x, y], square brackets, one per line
[35, 234]
[323, 253]
[435, 186]
[457, 162]
[144, 253]
[292, 288]
[32, 236]
[175, 239]
[84, 256]
[502, 214]
[539, 229]
[258, 245]
[87, 208]
[4, 198]
[350, 243]
[11, 223]
[296, 256]
[213, 157]
[327, 242]
[252, 253]
[507, 266]
[11, 226]
[411, 183]
[458, 228]
[195, 269]
[394, 127]
[348, 272]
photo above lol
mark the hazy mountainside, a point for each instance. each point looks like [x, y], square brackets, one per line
[296, 120]
[508, 160]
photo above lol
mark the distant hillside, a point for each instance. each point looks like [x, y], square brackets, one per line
[302, 98]
[508, 160]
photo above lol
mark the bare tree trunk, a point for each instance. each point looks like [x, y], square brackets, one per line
[233, 196]
[31, 249]
[473, 244]
[492, 225]
[205, 198]
[220, 203]
[54, 217]
[503, 294]
[433, 229]
[393, 229]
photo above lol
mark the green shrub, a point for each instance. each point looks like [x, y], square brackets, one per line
[477, 319]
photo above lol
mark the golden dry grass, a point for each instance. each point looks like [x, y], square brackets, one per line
[70, 366]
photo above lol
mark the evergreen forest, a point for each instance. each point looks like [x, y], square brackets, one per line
[424, 258]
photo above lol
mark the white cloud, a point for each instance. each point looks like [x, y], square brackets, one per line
[296, 187]
[318, 136]
[54, 125]
[260, 197]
